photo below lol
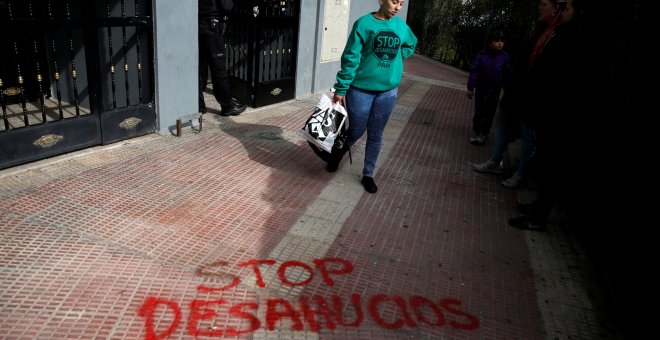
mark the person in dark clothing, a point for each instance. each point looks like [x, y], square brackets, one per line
[212, 21]
[489, 69]
[510, 123]
[555, 75]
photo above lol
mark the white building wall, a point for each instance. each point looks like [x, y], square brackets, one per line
[175, 61]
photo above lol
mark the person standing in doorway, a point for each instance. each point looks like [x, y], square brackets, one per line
[485, 85]
[367, 83]
[212, 21]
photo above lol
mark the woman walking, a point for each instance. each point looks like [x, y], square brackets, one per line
[367, 83]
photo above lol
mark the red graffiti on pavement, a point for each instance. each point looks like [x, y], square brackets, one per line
[317, 312]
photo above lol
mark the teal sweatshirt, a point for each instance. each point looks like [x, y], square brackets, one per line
[373, 57]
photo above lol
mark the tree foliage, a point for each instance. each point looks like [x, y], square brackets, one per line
[452, 31]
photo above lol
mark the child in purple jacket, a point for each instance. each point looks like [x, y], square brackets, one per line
[485, 84]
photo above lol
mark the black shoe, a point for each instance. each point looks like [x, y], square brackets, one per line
[527, 223]
[369, 184]
[234, 110]
[335, 158]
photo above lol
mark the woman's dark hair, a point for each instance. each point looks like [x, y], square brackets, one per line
[578, 8]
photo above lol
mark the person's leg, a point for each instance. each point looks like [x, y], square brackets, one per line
[379, 115]
[544, 202]
[494, 164]
[502, 136]
[219, 74]
[358, 106]
[527, 153]
[488, 112]
[478, 112]
[477, 119]
[203, 70]
[548, 184]
[528, 147]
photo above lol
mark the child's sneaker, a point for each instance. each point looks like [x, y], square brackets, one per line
[490, 167]
[527, 223]
[474, 139]
[481, 140]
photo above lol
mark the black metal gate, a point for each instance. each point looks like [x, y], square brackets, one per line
[73, 74]
[262, 38]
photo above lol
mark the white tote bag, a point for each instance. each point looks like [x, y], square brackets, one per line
[325, 124]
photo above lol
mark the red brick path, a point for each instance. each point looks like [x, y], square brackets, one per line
[100, 249]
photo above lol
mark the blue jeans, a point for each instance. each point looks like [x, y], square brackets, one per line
[369, 111]
[503, 136]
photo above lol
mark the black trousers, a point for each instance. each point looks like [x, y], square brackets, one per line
[556, 167]
[485, 106]
[212, 56]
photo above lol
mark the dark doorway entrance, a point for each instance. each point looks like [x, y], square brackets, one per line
[73, 74]
[262, 38]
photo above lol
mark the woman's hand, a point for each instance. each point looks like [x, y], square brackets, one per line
[337, 98]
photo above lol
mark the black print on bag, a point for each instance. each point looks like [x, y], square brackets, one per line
[325, 124]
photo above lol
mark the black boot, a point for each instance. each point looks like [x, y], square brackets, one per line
[335, 158]
[339, 149]
[369, 184]
[233, 109]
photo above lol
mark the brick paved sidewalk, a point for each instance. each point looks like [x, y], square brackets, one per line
[238, 232]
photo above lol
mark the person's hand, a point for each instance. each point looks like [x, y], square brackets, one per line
[470, 94]
[339, 99]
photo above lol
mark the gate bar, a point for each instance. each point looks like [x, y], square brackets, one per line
[55, 70]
